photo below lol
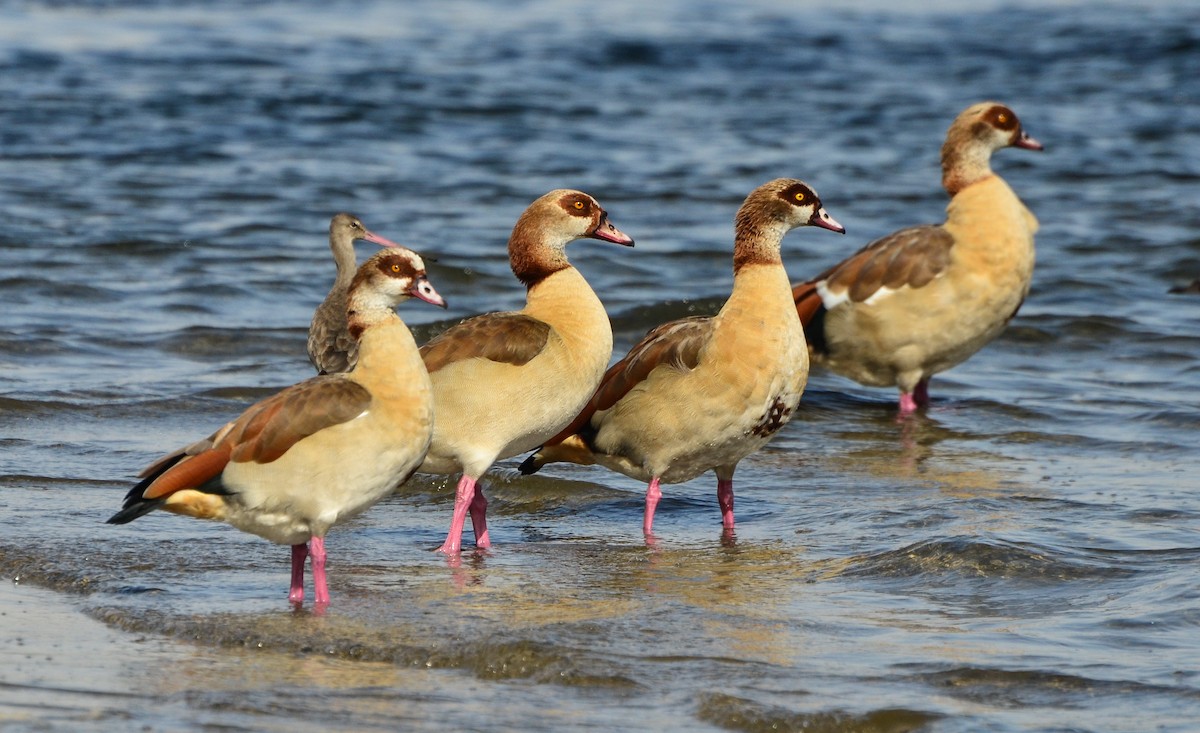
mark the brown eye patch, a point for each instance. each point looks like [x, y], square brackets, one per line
[798, 194]
[397, 266]
[577, 205]
[1002, 118]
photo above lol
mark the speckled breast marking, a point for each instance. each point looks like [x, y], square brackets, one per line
[773, 419]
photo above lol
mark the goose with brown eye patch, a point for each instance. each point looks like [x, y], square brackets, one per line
[701, 394]
[505, 382]
[330, 346]
[924, 299]
[320, 452]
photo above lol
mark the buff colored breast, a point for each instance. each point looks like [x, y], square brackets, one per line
[528, 403]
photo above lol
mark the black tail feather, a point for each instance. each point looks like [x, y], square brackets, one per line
[136, 506]
[134, 509]
[529, 465]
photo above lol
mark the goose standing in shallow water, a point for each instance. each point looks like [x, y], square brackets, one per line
[705, 392]
[331, 349]
[322, 451]
[924, 299]
[505, 382]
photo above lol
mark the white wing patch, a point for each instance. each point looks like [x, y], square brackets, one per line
[830, 299]
[878, 295]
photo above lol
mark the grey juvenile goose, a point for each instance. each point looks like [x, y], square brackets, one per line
[331, 349]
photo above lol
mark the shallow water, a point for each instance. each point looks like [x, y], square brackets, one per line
[1020, 557]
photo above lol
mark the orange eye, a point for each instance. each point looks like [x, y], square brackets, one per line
[799, 196]
[579, 205]
[395, 268]
[1002, 118]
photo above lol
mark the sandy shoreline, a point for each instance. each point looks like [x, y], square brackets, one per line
[61, 669]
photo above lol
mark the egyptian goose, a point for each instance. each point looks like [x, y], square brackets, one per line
[331, 349]
[705, 392]
[321, 451]
[505, 382]
[923, 299]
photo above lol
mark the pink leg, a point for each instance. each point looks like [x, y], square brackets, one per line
[919, 397]
[479, 518]
[653, 494]
[320, 590]
[725, 500]
[464, 494]
[299, 555]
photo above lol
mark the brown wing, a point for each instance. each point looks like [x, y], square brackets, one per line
[675, 344]
[187, 473]
[510, 338]
[268, 429]
[188, 451]
[912, 257]
[263, 433]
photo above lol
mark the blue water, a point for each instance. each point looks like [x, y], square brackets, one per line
[1021, 557]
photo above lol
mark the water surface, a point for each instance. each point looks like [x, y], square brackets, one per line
[1021, 557]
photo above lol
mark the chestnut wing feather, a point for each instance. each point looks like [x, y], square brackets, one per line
[510, 338]
[808, 301]
[675, 344]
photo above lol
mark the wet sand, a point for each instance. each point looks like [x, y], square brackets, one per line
[58, 667]
[63, 670]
